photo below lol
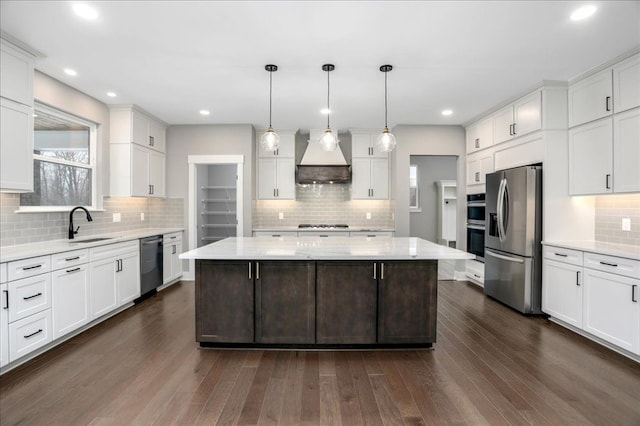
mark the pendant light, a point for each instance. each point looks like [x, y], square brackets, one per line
[270, 141]
[329, 140]
[386, 141]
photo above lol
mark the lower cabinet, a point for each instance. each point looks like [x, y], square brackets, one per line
[171, 263]
[562, 297]
[4, 325]
[29, 334]
[346, 302]
[128, 278]
[70, 299]
[285, 302]
[103, 287]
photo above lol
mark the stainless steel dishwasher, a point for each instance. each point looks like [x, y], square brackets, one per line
[150, 266]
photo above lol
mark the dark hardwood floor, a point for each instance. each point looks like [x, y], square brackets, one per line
[490, 366]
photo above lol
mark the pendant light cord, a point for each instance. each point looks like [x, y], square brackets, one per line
[385, 100]
[270, 91]
[328, 109]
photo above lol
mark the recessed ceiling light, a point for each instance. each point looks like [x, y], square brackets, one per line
[583, 12]
[204, 112]
[446, 112]
[85, 11]
[325, 111]
[111, 94]
[69, 71]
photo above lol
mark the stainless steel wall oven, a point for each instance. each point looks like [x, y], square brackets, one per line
[476, 225]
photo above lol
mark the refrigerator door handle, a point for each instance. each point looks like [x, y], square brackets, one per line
[505, 209]
[499, 210]
[502, 257]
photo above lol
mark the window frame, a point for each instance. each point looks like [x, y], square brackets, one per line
[92, 165]
[414, 208]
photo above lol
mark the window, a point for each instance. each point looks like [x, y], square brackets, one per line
[414, 194]
[63, 162]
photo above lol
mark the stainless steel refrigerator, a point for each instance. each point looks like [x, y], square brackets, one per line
[513, 253]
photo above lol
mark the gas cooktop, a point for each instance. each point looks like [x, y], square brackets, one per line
[323, 226]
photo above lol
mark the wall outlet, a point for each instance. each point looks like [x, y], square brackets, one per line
[280, 215]
[626, 224]
[117, 217]
[368, 215]
[142, 216]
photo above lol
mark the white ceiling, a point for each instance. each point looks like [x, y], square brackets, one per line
[173, 58]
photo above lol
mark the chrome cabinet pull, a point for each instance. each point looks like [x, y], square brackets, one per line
[73, 270]
[31, 297]
[607, 103]
[26, 268]
[250, 277]
[374, 271]
[257, 270]
[33, 334]
[477, 142]
[151, 141]
[69, 259]
[382, 270]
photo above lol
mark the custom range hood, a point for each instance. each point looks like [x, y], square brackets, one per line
[320, 166]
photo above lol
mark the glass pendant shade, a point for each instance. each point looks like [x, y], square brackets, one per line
[329, 140]
[386, 141]
[270, 141]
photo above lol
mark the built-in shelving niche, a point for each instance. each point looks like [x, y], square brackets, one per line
[217, 213]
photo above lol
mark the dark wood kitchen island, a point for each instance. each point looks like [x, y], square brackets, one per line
[308, 293]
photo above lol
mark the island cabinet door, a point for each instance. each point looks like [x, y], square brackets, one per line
[407, 303]
[285, 302]
[224, 301]
[346, 302]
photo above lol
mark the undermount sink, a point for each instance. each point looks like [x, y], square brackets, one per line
[91, 240]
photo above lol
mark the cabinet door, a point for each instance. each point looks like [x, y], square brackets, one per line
[267, 178]
[590, 99]
[285, 302]
[485, 133]
[527, 114]
[285, 179]
[16, 78]
[473, 170]
[140, 129]
[590, 158]
[102, 287]
[562, 292]
[156, 174]
[287, 146]
[361, 145]
[224, 301]
[16, 146]
[28, 334]
[361, 179]
[139, 172]
[473, 137]
[626, 84]
[379, 179]
[407, 301]
[4, 325]
[486, 165]
[610, 311]
[502, 121]
[167, 263]
[70, 304]
[156, 136]
[29, 295]
[128, 278]
[346, 302]
[626, 151]
[176, 263]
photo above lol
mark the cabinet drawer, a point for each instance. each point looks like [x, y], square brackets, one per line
[171, 238]
[29, 267]
[616, 265]
[28, 296]
[574, 257]
[365, 234]
[323, 234]
[69, 258]
[3, 273]
[29, 334]
[275, 234]
[110, 250]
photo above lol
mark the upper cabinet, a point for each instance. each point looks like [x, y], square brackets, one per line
[363, 145]
[626, 84]
[16, 116]
[130, 125]
[286, 148]
[276, 169]
[480, 135]
[520, 118]
[370, 167]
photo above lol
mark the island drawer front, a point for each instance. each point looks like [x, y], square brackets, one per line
[616, 265]
[315, 234]
[110, 250]
[370, 234]
[275, 234]
[29, 267]
[28, 296]
[173, 237]
[29, 334]
[69, 259]
[574, 257]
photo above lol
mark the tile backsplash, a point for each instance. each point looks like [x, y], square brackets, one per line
[610, 210]
[24, 228]
[328, 204]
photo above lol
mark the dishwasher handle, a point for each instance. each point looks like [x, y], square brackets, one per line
[149, 242]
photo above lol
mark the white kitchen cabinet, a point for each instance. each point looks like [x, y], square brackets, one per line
[70, 299]
[28, 334]
[16, 146]
[103, 290]
[562, 291]
[131, 125]
[136, 172]
[29, 296]
[16, 76]
[591, 98]
[370, 179]
[478, 165]
[128, 277]
[4, 325]
[287, 146]
[626, 84]
[275, 234]
[611, 308]
[323, 234]
[363, 144]
[590, 158]
[276, 179]
[518, 119]
[479, 135]
[171, 263]
[370, 234]
[626, 151]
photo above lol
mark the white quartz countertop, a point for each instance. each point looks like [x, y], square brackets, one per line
[24, 251]
[335, 248]
[611, 249]
[349, 229]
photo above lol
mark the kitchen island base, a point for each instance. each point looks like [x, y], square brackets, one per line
[316, 304]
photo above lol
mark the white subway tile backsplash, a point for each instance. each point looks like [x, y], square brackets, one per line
[609, 211]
